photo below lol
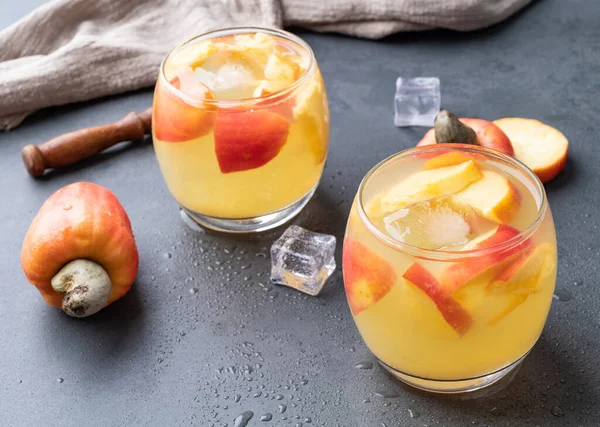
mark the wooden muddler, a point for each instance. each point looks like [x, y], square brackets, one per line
[70, 148]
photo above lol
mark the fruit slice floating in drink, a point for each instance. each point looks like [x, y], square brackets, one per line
[462, 272]
[175, 118]
[493, 197]
[430, 183]
[456, 316]
[449, 158]
[310, 115]
[526, 273]
[248, 139]
[367, 276]
[524, 277]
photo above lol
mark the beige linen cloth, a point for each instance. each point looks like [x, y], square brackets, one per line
[73, 50]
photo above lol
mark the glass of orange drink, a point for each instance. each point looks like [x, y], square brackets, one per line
[241, 127]
[449, 265]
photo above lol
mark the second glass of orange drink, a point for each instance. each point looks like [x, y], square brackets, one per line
[449, 265]
[241, 127]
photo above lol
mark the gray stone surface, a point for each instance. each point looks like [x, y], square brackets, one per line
[164, 356]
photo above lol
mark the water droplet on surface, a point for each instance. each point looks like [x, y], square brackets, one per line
[193, 290]
[59, 380]
[562, 295]
[281, 408]
[67, 207]
[364, 365]
[557, 412]
[495, 411]
[386, 394]
[413, 413]
[237, 398]
[279, 397]
[308, 420]
[167, 255]
[266, 417]
[304, 382]
[243, 418]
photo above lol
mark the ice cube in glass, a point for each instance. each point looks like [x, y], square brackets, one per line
[441, 223]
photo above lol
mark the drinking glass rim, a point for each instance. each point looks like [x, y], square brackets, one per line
[229, 103]
[436, 254]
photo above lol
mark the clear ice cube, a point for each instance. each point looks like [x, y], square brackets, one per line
[444, 222]
[417, 101]
[302, 259]
[189, 84]
[229, 76]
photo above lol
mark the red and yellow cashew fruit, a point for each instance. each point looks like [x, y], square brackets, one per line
[80, 251]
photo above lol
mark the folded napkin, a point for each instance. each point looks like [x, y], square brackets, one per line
[74, 50]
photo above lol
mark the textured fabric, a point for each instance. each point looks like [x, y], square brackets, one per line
[74, 50]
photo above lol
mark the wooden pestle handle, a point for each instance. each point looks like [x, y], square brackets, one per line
[67, 149]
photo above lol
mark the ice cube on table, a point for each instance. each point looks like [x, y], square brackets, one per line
[302, 259]
[417, 101]
[444, 222]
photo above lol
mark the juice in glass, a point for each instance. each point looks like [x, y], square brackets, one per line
[241, 127]
[449, 265]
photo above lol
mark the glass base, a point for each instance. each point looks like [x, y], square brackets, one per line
[250, 225]
[458, 386]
